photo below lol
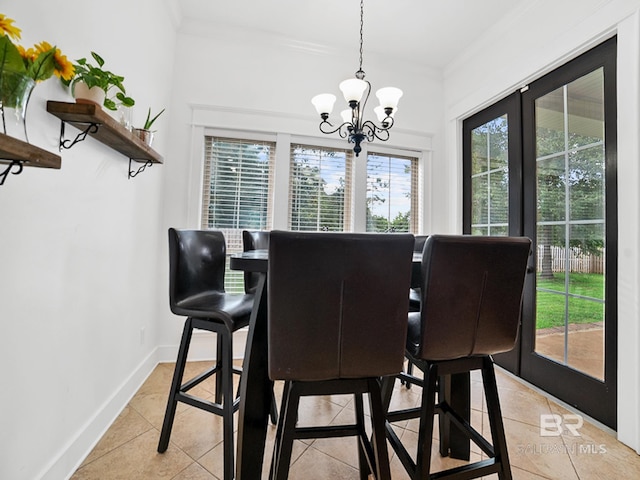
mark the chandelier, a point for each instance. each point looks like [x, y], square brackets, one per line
[354, 127]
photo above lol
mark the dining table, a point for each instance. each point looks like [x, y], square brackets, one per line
[256, 387]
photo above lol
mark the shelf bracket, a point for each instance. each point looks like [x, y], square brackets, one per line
[67, 144]
[132, 174]
[5, 173]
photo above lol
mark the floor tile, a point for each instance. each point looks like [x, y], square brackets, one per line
[126, 427]
[136, 459]
[128, 448]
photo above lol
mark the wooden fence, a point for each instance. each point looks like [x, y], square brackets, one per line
[578, 263]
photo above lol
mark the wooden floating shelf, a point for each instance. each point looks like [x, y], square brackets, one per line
[109, 132]
[12, 149]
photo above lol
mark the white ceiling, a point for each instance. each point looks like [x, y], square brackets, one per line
[428, 32]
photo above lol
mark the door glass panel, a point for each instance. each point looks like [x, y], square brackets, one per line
[490, 178]
[570, 169]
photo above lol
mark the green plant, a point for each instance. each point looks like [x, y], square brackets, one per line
[96, 76]
[39, 62]
[149, 121]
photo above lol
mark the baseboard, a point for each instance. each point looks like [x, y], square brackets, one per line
[76, 450]
[71, 456]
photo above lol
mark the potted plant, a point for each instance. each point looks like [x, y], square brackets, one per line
[93, 83]
[21, 69]
[145, 133]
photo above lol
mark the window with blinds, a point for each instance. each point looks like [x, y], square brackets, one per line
[237, 192]
[320, 189]
[392, 193]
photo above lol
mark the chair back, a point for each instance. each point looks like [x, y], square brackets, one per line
[419, 241]
[337, 304]
[471, 295]
[253, 240]
[196, 264]
[418, 246]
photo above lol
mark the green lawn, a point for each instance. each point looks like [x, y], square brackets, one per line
[551, 306]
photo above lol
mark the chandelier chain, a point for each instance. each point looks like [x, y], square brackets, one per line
[361, 28]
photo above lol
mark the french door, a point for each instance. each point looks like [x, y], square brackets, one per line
[542, 163]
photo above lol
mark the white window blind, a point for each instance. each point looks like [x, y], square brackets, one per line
[320, 189]
[392, 193]
[237, 192]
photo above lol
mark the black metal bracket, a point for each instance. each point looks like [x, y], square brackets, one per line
[5, 173]
[132, 174]
[67, 144]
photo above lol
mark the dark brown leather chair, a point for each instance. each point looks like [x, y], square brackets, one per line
[253, 240]
[471, 296]
[257, 240]
[414, 291]
[337, 322]
[196, 291]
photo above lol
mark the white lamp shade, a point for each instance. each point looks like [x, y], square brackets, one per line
[389, 97]
[380, 113]
[353, 89]
[347, 115]
[324, 103]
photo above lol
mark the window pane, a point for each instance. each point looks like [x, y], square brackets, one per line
[320, 189]
[490, 177]
[571, 224]
[391, 194]
[236, 192]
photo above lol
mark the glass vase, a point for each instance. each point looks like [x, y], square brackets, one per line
[15, 91]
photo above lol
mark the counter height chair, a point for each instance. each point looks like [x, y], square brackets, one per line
[471, 297]
[414, 292]
[337, 322]
[257, 240]
[196, 291]
[253, 240]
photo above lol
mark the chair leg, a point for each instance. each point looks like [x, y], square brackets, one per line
[409, 372]
[427, 412]
[178, 372]
[226, 373]
[379, 441]
[220, 366]
[285, 433]
[363, 461]
[495, 418]
[273, 414]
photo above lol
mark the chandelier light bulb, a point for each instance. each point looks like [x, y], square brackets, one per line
[389, 97]
[347, 115]
[353, 89]
[324, 103]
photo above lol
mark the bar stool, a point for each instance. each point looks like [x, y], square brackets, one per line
[253, 240]
[337, 323]
[257, 240]
[196, 291]
[414, 292]
[471, 298]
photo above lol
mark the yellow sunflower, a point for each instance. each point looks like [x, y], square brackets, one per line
[7, 28]
[64, 69]
[30, 54]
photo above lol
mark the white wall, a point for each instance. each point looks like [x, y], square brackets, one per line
[257, 82]
[83, 257]
[80, 248]
[532, 42]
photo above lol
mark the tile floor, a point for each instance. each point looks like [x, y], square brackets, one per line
[128, 449]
